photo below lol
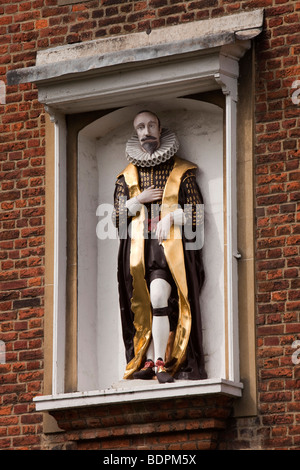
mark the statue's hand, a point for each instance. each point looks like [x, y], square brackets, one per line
[163, 227]
[150, 194]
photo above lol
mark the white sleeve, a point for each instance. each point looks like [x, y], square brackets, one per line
[133, 206]
[179, 217]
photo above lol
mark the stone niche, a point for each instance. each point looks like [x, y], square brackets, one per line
[199, 127]
[189, 75]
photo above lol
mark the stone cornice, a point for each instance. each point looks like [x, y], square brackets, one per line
[165, 44]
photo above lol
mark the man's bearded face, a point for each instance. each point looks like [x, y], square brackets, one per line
[148, 131]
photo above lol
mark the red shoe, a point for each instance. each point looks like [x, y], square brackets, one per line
[162, 375]
[147, 372]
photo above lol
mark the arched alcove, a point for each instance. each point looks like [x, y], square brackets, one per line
[101, 156]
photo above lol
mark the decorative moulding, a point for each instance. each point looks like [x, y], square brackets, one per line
[130, 391]
[184, 59]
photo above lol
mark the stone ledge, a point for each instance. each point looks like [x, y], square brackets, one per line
[93, 56]
[137, 390]
[238, 24]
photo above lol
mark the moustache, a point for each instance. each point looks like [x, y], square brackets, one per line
[148, 137]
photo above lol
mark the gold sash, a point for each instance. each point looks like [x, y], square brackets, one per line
[140, 302]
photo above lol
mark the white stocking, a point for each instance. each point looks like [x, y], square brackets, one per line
[160, 291]
[160, 334]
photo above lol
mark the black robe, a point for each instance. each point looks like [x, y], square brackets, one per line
[192, 366]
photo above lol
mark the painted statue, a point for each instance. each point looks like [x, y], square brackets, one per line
[159, 278]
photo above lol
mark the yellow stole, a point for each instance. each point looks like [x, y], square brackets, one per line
[140, 302]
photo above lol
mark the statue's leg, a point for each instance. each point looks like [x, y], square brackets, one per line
[160, 291]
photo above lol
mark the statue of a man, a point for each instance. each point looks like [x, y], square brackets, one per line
[159, 278]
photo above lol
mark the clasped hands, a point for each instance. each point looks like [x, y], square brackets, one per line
[152, 194]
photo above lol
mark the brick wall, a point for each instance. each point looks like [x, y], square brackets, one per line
[278, 233]
[190, 423]
[27, 26]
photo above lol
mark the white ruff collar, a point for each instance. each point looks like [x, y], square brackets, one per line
[168, 147]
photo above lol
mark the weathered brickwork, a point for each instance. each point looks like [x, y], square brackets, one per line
[278, 234]
[27, 26]
[176, 424]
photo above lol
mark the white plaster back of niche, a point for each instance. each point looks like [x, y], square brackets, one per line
[199, 127]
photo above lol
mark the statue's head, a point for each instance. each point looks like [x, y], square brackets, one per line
[148, 129]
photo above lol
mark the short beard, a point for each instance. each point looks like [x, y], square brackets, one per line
[150, 146]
